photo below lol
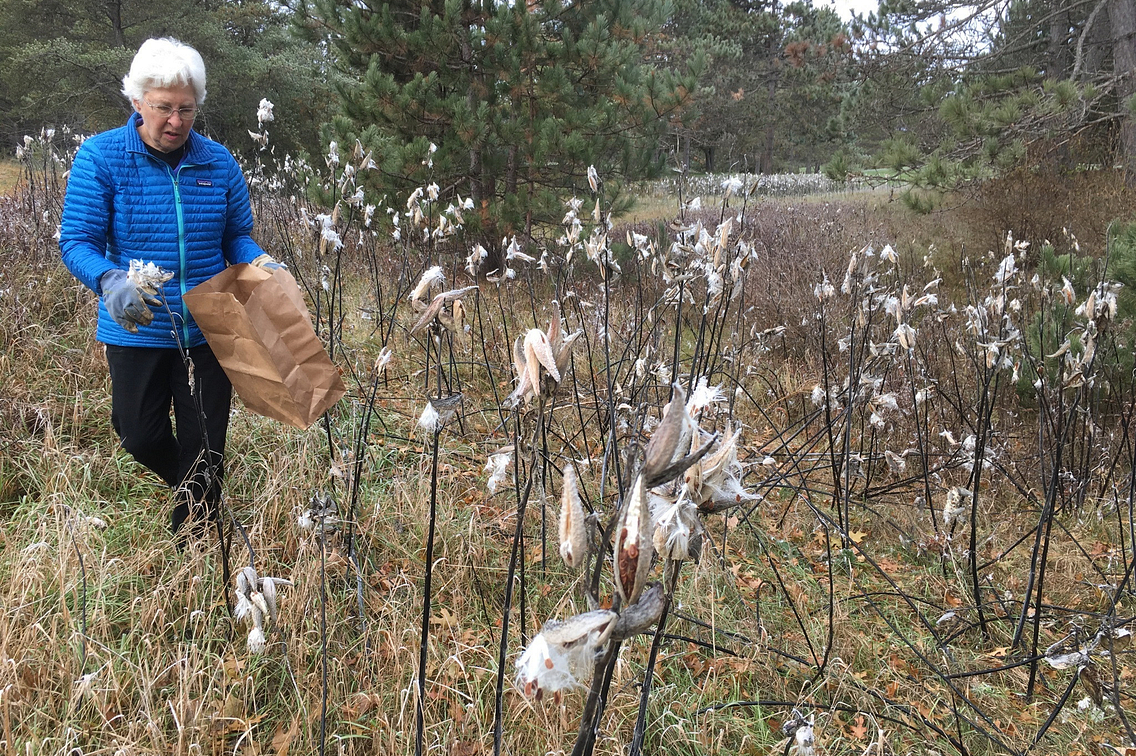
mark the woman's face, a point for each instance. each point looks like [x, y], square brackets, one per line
[166, 116]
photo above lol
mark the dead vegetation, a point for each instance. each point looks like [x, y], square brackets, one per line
[930, 550]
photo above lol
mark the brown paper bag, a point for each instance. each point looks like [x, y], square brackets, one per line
[258, 326]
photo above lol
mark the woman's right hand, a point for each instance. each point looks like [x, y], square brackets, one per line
[126, 302]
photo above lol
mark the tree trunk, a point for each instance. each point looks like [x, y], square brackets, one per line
[1122, 22]
[1093, 44]
[1058, 55]
[114, 13]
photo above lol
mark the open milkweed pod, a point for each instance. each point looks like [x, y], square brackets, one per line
[524, 387]
[590, 628]
[538, 353]
[435, 310]
[268, 590]
[670, 437]
[247, 582]
[560, 343]
[457, 322]
[563, 653]
[520, 362]
[573, 529]
[430, 277]
[633, 548]
[724, 457]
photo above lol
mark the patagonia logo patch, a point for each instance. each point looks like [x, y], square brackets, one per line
[204, 182]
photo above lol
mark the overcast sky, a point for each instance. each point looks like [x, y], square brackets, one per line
[846, 7]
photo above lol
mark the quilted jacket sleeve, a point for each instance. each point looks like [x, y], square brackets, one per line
[86, 218]
[237, 244]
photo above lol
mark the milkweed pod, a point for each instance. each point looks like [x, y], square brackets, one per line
[432, 276]
[256, 598]
[459, 317]
[573, 529]
[538, 352]
[668, 437]
[268, 591]
[246, 581]
[633, 547]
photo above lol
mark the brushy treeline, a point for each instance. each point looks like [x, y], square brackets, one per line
[753, 477]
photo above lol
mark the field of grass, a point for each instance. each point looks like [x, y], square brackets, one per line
[916, 552]
[9, 176]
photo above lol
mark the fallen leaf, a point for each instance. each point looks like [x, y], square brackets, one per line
[282, 741]
[444, 618]
[233, 708]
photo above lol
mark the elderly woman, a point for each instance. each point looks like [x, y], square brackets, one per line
[157, 191]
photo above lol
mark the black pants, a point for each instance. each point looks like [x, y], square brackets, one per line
[144, 384]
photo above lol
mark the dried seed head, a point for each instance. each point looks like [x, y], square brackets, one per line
[805, 740]
[243, 608]
[148, 276]
[322, 512]
[573, 529]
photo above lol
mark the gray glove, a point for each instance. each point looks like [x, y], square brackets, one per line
[269, 263]
[126, 301]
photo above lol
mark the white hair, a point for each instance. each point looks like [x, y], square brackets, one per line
[161, 63]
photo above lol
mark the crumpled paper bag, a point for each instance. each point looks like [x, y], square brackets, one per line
[258, 326]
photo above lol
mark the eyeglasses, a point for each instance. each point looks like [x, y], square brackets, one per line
[167, 111]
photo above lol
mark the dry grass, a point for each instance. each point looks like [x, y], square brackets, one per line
[161, 668]
[10, 172]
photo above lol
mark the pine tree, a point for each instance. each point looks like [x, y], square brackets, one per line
[1034, 83]
[519, 99]
[771, 75]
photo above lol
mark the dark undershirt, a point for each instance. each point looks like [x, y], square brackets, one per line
[169, 158]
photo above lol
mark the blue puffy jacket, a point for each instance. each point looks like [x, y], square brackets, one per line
[123, 203]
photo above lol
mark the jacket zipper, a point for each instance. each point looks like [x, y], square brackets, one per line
[181, 253]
